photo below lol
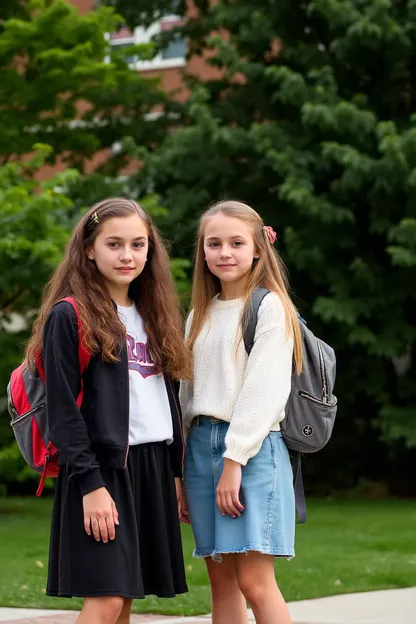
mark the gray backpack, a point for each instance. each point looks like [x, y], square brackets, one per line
[311, 408]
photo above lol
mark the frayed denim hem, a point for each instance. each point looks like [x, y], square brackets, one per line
[215, 555]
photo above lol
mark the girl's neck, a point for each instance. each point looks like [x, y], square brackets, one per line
[120, 296]
[127, 304]
[232, 290]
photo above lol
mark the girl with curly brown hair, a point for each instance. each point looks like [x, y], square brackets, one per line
[118, 501]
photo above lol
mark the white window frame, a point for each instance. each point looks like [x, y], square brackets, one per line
[145, 35]
[121, 41]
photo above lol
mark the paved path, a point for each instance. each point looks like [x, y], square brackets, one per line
[394, 606]
[397, 606]
[34, 616]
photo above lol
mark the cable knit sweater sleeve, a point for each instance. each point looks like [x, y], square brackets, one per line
[186, 389]
[266, 385]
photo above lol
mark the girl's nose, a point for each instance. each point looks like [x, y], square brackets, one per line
[125, 253]
[225, 252]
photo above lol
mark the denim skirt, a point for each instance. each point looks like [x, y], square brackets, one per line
[267, 524]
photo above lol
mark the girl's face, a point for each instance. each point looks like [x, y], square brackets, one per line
[229, 247]
[120, 251]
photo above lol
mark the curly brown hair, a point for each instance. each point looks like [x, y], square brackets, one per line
[153, 292]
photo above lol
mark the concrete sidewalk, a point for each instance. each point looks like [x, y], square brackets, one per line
[395, 606]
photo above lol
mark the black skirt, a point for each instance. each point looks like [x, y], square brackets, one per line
[146, 556]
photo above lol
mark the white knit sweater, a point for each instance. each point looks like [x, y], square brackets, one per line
[248, 392]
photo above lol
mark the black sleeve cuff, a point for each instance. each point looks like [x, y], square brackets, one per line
[177, 472]
[90, 481]
[175, 461]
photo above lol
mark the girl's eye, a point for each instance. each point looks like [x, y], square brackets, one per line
[136, 245]
[235, 243]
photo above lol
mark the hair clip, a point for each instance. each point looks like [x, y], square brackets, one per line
[94, 217]
[269, 233]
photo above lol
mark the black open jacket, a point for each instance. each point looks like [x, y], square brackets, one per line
[97, 433]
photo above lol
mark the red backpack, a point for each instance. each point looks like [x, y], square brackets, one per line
[27, 407]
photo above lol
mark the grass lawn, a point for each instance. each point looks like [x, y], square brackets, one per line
[344, 547]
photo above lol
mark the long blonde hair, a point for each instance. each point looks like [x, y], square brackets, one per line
[267, 271]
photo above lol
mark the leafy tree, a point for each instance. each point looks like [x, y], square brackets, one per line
[34, 227]
[63, 85]
[11, 8]
[311, 120]
[142, 12]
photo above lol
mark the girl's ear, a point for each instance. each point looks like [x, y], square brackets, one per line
[90, 254]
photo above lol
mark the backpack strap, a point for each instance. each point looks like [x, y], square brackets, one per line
[251, 312]
[250, 317]
[84, 356]
[298, 486]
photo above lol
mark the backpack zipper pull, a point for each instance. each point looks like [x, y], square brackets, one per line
[44, 472]
[43, 477]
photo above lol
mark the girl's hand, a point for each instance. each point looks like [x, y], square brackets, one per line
[180, 497]
[100, 515]
[228, 489]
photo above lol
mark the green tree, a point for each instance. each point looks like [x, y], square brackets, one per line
[34, 226]
[11, 8]
[62, 84]
[312, 121]
[143, 12]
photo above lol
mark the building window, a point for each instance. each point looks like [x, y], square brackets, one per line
[174, 55]
[122, 39]
[176, 48]
[132, 59]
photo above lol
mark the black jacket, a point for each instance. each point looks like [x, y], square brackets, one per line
[97, 433]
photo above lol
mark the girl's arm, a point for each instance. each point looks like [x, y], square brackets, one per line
[68, 429]
[186, 389]
[176, 449]
[266, 386]
[185, 396]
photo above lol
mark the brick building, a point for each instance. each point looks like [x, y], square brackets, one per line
[170, 63]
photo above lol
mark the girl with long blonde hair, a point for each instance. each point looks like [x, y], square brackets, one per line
[238, 478]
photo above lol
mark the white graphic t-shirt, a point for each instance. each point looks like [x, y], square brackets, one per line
[150, 417]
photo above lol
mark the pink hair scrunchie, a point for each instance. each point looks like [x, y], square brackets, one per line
[270, 234]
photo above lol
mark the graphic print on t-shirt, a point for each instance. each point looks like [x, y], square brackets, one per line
[139, 357]
[150, 418]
